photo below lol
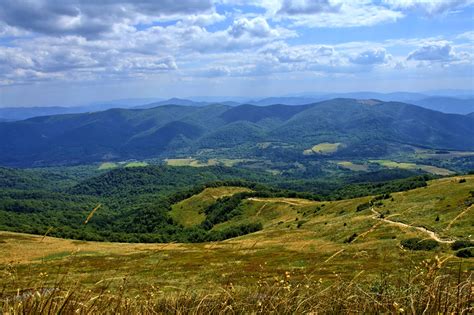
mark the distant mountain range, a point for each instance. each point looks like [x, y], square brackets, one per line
[439, 103]
[462, 104]
[20, 113]
[362, 128]
[447, 104]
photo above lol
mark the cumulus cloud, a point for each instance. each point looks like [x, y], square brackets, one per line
[295, 7]
[340, 13]
[52, 40]
[131, 52]
[257, 27]
[430, 7]
[435, 51]
[371, 57]
[90, 18]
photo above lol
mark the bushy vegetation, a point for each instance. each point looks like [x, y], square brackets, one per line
[465, 253]
[136, 202]
[419, 244]
[459, 244]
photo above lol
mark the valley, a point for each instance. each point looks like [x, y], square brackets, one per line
[236, 157]
[174, 205]
[222, 134]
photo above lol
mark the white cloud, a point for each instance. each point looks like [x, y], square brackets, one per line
[295, 7]
[257, 27]
[47, 40]
[467, 36]
[371, 57]
[347, 14]
[91, 18]
[435, 51]
[430, 7]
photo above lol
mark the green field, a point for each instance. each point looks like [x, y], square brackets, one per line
[190, 211]
[413, 166]
[136, 164]
[107, 166]
[111, 165]
[353, 166]
[197, 163]
[324, 148]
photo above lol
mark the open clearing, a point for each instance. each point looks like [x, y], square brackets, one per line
[324, 148]
[107, 166]
[412, 166]
[136, 164]
[353, 166]
[300, 237]
[190, 211]
[197, 163]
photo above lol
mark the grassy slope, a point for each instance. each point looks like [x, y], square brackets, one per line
[410, 166]
[190, 211]
[353, 166]
[315, 249]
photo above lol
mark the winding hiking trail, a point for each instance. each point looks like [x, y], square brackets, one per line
[430, 233]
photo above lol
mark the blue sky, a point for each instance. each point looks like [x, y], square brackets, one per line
[55, 52]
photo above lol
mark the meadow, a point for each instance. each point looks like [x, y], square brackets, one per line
[307, 252]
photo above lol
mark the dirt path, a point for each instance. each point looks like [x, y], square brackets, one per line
[458, 216]
[431, 234]
[260, 210]
[290, 201]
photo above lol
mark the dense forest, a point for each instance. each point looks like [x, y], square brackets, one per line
[362, 130]
[133, 204]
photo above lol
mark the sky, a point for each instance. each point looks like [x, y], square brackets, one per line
[70, 52]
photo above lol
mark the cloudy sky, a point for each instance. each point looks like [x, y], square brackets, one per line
[66, 52]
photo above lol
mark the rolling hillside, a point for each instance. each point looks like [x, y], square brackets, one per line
[326, 240]
[366, 128]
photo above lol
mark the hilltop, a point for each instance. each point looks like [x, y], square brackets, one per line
[366, 129]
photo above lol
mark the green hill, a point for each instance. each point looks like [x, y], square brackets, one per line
[369, 244]
[367, 129]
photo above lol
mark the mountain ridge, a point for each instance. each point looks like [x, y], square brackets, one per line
[170, 129]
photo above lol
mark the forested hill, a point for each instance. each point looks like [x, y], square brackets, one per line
[365, 128]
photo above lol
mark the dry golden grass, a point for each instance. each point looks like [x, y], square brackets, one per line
[27, 248]
[427, 291]
[302, 242]
[190, 211]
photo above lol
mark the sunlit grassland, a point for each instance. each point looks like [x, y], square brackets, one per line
[107, 166]
[353, 166]
[190, 211]
[412, 166]
[431, 154]
[111, 165]
[198, 163]
[303, 243]
[323, 148]
[136, 164]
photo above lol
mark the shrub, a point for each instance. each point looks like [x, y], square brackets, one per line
[363, 206]
[461, 244]
[419, 244]
[351, 238]
[465, 253]
[300, 224]
[462, 180]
